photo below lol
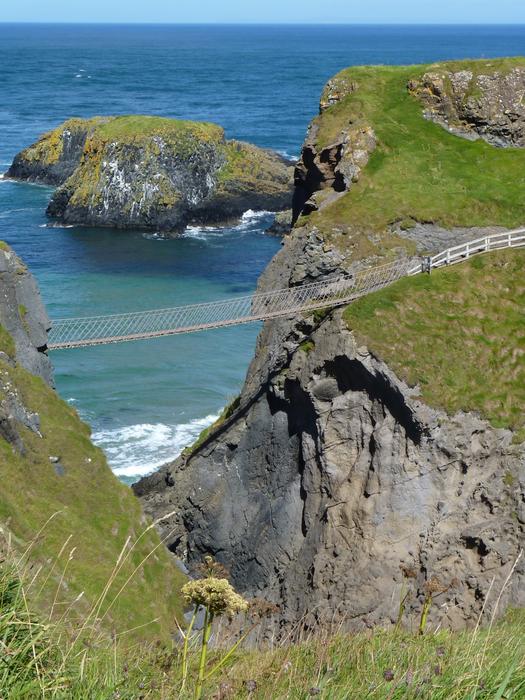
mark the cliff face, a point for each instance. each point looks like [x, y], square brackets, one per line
[56, 483]
[155, 173]
[342, 478]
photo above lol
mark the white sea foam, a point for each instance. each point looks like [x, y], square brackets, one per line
[137, 450]
[203, 232]
[251, 215]
[56, 225]
[289, 156]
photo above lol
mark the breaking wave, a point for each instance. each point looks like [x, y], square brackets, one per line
[137, 450]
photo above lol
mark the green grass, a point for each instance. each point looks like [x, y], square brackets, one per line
[249, 167]
[40, 661]
[459, 333]
[87, 502]
[307, 346]
[419, 171]
[135, 127]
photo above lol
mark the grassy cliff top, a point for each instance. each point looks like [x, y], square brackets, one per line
[133, 127]
[458, 333]
[89, 514]
[418, 171]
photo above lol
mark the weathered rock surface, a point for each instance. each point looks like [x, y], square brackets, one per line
[23, 316]
[333, 167]
[147, 172]
[476, 103]
[56, 155]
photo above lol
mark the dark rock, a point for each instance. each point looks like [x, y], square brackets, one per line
[333, 168]
[56, 155]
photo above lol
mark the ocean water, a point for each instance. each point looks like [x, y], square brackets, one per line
[147, 400]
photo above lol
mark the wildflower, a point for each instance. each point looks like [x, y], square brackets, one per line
[388, 675]
[225, 691]
[215, 594]
[314, 691]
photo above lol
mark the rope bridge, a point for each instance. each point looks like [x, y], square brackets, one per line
[260, 306]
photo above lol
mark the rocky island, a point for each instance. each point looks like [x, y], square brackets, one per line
[380, 448]
[152, 173]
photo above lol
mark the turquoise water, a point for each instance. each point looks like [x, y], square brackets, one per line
[145, 401]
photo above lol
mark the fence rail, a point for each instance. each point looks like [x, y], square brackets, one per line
[140, 325]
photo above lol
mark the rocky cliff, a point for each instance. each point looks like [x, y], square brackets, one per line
[376, 449]
[59, 500]
[148, 172]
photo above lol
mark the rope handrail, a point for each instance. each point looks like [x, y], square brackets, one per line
[259, 306]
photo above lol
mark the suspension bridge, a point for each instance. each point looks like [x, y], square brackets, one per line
[261, 306]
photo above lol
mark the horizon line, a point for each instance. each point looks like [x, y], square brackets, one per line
[264, 23]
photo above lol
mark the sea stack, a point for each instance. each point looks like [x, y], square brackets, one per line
[152, 173]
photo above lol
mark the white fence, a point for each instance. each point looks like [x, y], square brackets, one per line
[460, 253]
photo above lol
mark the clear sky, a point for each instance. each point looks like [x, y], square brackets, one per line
[212, 11]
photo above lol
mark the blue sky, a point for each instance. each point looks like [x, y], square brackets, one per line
[211, 11]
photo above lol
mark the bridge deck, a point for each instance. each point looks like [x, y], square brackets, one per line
[261, 306]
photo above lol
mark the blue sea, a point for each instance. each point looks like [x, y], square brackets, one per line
[147, 400]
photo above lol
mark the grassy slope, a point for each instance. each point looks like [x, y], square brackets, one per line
[459, 333]
[419, 171]
[93, 507]
[377, 664]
